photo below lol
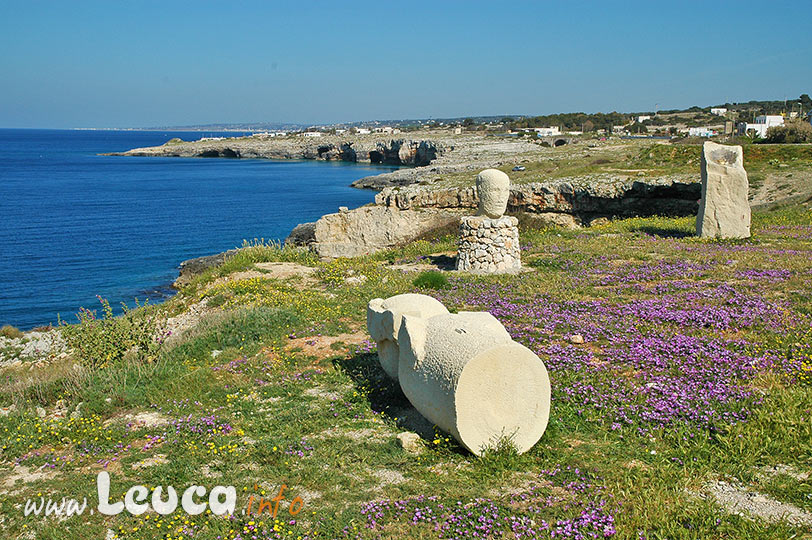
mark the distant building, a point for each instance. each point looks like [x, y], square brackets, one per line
[642, 118]
[701, 132]
[618, 129]
[457, 131]
[548, 131]
[761, 125]
[719, 111]
[363, 131]
[312, 134]
[340, 131]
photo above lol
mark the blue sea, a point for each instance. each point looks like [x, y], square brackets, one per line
[74, 225]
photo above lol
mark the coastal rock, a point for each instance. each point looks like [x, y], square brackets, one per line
[303, 234]
[191, 268]
[724, 211]
[372, 228]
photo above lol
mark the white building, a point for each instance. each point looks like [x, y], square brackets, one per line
[312, 134]
[701, 132]
[761, 125]
[719, 111]
[642, 118]
[548, 131]
[340, 131]
[363, 131]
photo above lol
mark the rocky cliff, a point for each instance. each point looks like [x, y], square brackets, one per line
[597, 197]
[329, 148]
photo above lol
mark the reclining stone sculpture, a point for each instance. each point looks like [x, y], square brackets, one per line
[463, 372]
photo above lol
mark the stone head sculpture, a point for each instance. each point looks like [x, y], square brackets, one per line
[493, 187]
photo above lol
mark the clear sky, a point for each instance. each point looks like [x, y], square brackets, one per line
[137, 64]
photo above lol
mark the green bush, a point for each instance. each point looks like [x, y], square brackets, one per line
[9, 331]
[99, 342]
[795, 131]
[431, 280]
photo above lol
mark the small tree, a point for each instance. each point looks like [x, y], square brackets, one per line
[793, 132]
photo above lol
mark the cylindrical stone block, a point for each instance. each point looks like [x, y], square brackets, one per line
[464, 373]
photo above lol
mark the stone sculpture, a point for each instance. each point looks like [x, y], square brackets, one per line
[464, 373]
[489, 242]
[724, 210]
[383, 323]
[493, 187]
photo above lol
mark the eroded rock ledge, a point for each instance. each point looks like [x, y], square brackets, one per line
[598, 197]
[403, 214]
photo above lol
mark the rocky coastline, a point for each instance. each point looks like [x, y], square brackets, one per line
[417, 199]
[356, 149]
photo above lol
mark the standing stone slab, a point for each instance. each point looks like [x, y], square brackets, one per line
[724, 211]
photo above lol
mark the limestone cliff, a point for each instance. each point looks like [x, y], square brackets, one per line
[329, 148]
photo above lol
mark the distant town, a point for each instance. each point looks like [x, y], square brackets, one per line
[752, 119]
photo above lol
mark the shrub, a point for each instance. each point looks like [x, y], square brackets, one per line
[794, 131]
[99, 342]
[11, 332]
[431, 280]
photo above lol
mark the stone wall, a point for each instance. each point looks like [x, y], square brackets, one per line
[489, 245]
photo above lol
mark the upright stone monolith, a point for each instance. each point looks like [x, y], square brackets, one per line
[724, 210]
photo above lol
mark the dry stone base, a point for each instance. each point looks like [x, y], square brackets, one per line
[489, 246]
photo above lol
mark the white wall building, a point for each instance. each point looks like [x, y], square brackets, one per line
[761, 125]
[312, 134]
[548, 131]
[363, 131]
[701, 132]
[642, 118]
[719, 111]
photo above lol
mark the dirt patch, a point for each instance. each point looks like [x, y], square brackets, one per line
[187, 320]
[285, 270]
[357, 435]
[157, 459]
[787, 470]
[325, 346]
[388, 477]
[740, 500]
[140, 420]
[319, 392]
[22, 474]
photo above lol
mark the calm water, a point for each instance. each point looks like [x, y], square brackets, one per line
[74, 225]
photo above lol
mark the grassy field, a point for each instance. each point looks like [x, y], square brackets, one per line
[694, 379]
[775, 170]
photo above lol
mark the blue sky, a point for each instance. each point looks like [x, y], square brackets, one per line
[137, 64]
